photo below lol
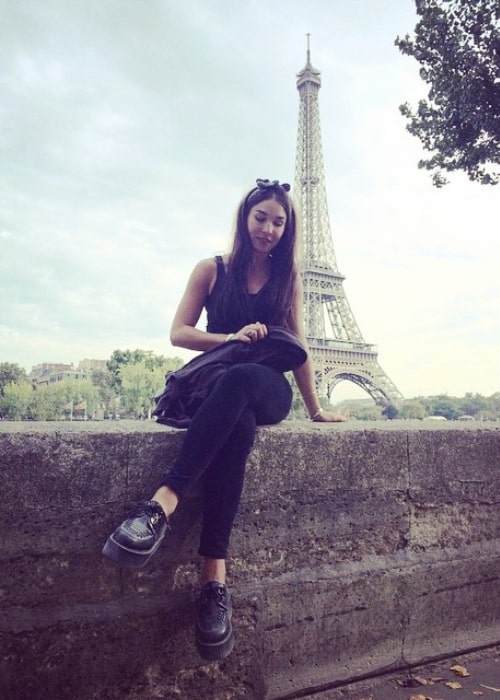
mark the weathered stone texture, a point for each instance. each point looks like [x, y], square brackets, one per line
[357, 548]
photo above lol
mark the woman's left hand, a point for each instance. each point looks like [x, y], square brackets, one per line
[251, 332]
[329, 417]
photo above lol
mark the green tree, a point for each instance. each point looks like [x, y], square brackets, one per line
[412, 409]
[372, 412]
[103, 380]
[139, 384]
[492, 410]
[390, 411]
[457, 43]
[86, 397]
[10, 372]
[120, 358]
[494, 404]
[16, 400]
[59, 399]
[473, 404]
[40, 407]
[443, 405]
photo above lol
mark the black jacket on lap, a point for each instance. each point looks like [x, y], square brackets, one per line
[187, 388]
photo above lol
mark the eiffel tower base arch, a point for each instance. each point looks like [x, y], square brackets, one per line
[370, 377]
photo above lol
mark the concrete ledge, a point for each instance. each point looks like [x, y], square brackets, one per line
[359, 548]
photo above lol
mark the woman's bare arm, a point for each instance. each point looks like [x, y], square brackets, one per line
[183, 332]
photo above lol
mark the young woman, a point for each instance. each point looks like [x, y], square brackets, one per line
[255, 287]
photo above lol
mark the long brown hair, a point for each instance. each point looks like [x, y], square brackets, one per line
[283, 257]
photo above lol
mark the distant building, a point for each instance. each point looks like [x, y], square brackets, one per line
[50, 372]
[90, 365]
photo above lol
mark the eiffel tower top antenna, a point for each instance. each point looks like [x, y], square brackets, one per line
[310, 172]
[338, 349]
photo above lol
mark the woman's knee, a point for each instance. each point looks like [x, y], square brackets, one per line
[237, 374]
[253, 377]
[264, 390]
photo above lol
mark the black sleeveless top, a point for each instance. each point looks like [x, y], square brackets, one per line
[258, 306]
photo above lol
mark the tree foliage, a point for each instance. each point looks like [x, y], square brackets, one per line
[140, 381]
[102, 379]
[390, 411]
[412, 409]
[127, 388]
[457, 43]
[449, 407]
[10, 372]
[122, 358]
[16, 399]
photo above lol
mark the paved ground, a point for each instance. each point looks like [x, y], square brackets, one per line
[436, 681]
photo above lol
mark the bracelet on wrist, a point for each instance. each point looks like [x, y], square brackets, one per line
[318, 413]
[231, 336]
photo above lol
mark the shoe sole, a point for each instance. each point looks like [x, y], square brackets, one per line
[128, 558]
[216, 651]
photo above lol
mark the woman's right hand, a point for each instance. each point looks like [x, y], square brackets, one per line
[251, 333]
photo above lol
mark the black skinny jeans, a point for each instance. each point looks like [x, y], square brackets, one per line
[218, 442]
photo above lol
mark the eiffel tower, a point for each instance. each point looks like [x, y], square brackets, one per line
[342, 354]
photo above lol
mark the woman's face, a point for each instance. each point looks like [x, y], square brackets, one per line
[266, 225]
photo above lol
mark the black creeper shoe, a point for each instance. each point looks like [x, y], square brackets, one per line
[214, 632]
[136, 540]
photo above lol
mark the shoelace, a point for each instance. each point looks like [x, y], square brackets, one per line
[153, 512]
[217, 596]
[154, 517]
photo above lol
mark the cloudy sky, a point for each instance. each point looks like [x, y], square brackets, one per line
[129, 129]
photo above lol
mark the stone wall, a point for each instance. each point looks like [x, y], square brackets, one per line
[358, 548]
